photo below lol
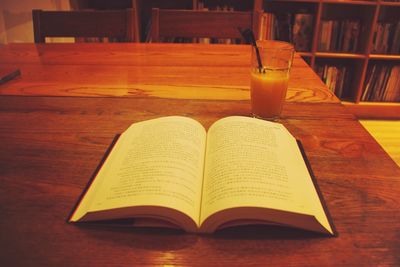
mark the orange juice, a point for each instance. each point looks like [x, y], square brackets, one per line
[268, 92]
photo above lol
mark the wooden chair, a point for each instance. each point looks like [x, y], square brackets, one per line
[201, 24]
[119, 24]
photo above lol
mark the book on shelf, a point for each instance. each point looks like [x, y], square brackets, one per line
[386, 38]
[382, 83]
[394, 44]
[295, 28]
[267, 26]
[283, 27]
[170, 172]
[302, 31]
[339, 36]
[323, 44]
[335, 77]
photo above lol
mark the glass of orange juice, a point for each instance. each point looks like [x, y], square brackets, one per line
[269, 78]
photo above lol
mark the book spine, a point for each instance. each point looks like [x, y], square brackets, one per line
[302, 31]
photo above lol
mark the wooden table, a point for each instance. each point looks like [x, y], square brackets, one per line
[58, 118]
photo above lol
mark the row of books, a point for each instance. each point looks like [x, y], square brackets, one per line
[386, 38]
[99, 40]
[293, 28]
[382, 83]
[336, 77]
[339, 35]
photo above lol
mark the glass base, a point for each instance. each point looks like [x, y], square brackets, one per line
[273, 118]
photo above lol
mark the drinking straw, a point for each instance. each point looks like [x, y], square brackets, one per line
[248, 35]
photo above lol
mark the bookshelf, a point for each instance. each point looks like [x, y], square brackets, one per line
[359, 58]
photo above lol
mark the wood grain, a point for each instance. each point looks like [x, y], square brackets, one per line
[137, 70]
[51, 145]
[374, 110]
[59, 117]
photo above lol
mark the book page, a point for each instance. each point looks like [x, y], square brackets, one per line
[155, 163]
[256, 163]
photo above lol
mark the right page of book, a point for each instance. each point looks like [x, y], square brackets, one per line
[256, 163]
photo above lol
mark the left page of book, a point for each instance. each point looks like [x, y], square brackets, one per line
[155, 163]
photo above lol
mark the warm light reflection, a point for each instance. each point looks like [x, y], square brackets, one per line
[167, 257]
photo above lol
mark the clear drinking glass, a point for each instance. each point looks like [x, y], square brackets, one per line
[269, 83]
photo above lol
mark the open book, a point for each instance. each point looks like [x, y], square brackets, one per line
[170, 171]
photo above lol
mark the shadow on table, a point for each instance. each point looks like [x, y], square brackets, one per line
[163, 239]
[265, 232]
[145, 238]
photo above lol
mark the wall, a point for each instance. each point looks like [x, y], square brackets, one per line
[16, 18]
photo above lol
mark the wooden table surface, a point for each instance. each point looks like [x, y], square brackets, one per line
[59, 116]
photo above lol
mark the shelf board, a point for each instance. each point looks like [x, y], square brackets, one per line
[297, 1]
[349, 2]
[386, 3]
[374, 110]
[339, 55]
[391, 104]
[305, 54]
[385, 57]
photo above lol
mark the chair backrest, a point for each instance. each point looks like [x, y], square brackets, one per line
[119, 24]
[201, 23]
